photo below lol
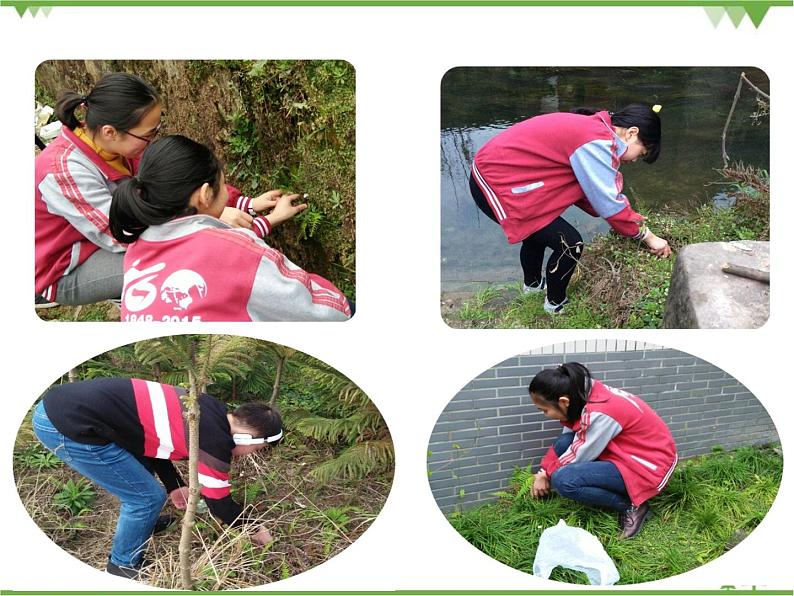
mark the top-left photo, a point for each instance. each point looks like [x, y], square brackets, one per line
[195, 190]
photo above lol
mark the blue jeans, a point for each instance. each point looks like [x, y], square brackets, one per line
[118, 472]
[596, 483]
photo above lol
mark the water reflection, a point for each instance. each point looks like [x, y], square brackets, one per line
[476, 103]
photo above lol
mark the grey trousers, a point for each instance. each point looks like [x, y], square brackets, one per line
[100, 277]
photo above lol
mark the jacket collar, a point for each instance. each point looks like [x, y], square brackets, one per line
[107, 170]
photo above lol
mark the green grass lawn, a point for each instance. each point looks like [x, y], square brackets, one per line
[711, 503]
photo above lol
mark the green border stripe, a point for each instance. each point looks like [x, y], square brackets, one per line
[550, 592]
[691, 3]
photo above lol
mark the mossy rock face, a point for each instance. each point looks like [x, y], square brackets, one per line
[275, 124]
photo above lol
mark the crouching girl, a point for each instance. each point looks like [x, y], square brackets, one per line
[119, 432]
[528, 175]
[184, 264]
[615, 451]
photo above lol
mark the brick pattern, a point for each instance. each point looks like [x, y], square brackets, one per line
[491, 425]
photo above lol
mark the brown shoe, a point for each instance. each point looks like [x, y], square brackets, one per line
[631, 520]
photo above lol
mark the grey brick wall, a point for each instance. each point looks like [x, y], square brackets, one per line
[491, 425]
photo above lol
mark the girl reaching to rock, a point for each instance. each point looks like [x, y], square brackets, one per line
[185, 264]
[526, 176]
[614, 451]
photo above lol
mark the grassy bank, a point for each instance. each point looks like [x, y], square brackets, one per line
[711, 504]
[618, 283]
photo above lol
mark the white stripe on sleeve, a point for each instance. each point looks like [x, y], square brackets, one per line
[162, 425]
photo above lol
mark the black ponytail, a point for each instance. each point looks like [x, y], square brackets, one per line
[571, 379]
[644, 118]
[171, 169]
[118, 99]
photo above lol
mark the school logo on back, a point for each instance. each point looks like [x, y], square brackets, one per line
[178, 293]
[182, 288]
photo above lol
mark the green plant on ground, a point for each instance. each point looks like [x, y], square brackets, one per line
[37, 457]
[76, 496]
[709, 505]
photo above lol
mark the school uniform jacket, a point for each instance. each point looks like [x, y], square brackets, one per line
[618, 427]
[74, 187]
[197, 268]
[536, 169]
[146, 419]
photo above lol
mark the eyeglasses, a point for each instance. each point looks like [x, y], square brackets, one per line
[147, 138]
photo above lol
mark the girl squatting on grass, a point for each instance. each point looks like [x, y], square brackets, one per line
[78, 261]
[615, 451]
[120, 432]
[526, 176]
[184, 264]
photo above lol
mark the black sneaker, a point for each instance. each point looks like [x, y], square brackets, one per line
[631, 520]
[42, 302]
[122, 571]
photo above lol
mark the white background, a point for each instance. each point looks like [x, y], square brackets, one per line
[396, 348]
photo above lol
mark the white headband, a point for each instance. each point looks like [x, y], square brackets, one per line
[245, 439]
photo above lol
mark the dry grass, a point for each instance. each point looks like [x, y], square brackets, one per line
[310, 521]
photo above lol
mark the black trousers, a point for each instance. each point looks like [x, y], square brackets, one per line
[561, 237]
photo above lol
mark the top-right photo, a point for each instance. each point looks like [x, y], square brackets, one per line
[605, 197]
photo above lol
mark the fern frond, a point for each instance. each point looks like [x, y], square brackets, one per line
[357, 461]
[332, 430]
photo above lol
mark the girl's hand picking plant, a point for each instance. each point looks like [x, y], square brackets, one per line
[281, 205]
[179, 497]
[542, 486]
[658, 246]
[262, 537]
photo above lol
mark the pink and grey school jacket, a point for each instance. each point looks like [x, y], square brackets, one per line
[618, 427]
[536, 169]
[74, 187]
[197, 268]
[146, 419]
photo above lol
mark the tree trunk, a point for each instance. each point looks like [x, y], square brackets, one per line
[193, 414]
[277, 381]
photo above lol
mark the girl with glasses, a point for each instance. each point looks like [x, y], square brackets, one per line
[526, 176]
[77, 259]
[103, 136]
[184, 264]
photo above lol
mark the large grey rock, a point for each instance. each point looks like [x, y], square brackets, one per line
[702, 296]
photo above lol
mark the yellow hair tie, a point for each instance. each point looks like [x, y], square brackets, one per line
[657, 108]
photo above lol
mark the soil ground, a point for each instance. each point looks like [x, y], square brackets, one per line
[310, 521]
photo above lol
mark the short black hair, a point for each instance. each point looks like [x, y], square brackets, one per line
[263, 419]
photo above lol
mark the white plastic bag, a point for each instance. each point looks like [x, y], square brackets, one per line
[577, 549]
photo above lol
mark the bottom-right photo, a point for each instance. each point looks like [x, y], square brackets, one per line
[605, 462]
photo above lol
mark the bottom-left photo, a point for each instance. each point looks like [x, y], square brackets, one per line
[203, 462]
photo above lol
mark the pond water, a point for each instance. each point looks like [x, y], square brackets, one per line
[477, 103]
